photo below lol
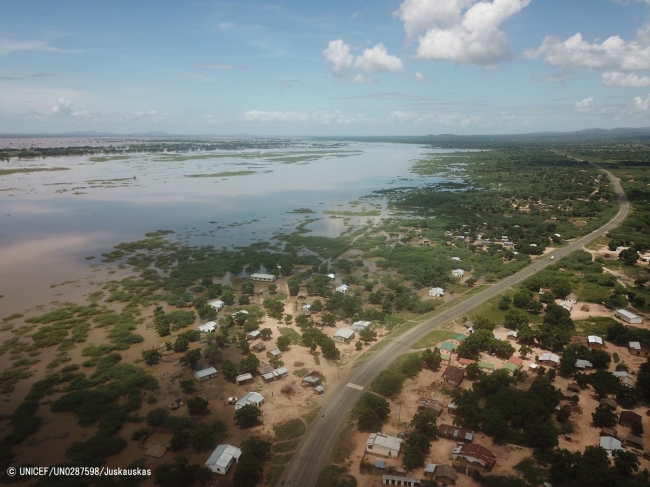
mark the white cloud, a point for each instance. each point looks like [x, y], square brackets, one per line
[225, 25]
[629, 80]
[420, 77]
[641, 104]
[63, 107]
[355, 15]
[338, 54]
[377, 60]
[613, 53]
[325, 117]
[150, 113]
[585, 106]
[463, 31]
[453, 119]
[359, 78]
[8, 46]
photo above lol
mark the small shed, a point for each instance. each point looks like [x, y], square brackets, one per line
[431, 405]
[634, 441]
[445, 474]
[205, 374]
[380, 464]
[628, 418]
[281, 372]
[309, 381]
[343, 335]
[362, 325]
[487, 367]
[429, 469]
[223, 457]
[320, 390]
[244, 379]
[259, 347]
[609, 403]
[253, 335]
[275, 353]
[594, 341]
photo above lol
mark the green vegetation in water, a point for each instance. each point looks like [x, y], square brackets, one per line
[12, 317]
[354, 213]
[26, 170]
[225, 174]
[302, 210]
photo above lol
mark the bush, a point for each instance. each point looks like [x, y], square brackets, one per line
[247, 416]
[388, 383]
[197, 405]
[156, 417]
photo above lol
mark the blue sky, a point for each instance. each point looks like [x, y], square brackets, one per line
[351, 67]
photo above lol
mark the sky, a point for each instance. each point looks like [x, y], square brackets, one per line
[295, 67]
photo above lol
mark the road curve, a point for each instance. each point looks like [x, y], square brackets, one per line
[312, 454]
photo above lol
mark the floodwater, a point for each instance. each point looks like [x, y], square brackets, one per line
[51, 221]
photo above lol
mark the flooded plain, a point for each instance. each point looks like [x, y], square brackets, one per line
[58, 220]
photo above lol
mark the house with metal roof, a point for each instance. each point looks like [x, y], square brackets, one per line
[281, 372]
[610, 444]
[473, 457]
[594, 341]
[254, 398]
[362, 325]
[450, 347]
[458, 338]
[309, 381]
[383, 445]
[637, 350]
[436, 292]
[567, 305]
[453, 375]
[487, 367]
[208, 327]
[263, 277]
[205, 374]
[628, 316]
[510, 367]
[455, 433]
[458, 273]
[223, 458]
[275, 353]
[402, 481]
[343, 288]
[244, 379]
[464, 362]
[217, 304]
[548, 358]
[517, 361]
[583, 364]
[320, 390]
[253, 335]
[343, 335]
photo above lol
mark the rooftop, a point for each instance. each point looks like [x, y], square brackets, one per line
[344, 333]
[386, 441]
[206, 372]
[455, 374]
[222, 456]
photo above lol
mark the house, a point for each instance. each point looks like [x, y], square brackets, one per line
[453, 375]
[549, 359]
[306, 309]
[263, 277]
[253, 335]
[583, 364]
[222, 458]
[510, 367]
[259, 347]
[512, 335]
[487, 367]
[452, 408]
[362, 325]
[458, 338]
[594, 341]
[636, 349]
[429, 469]
[628, 316]
[208, 327]
[431, 405]
[217, 304]
[567, 305]
[628, 418]
[533, 245]
[275, 353]
[645, 258]
[331, 276]
[471, 458]
[456, 258]
[635, 441]
[383, 445]
[319, 390]
[254, 398]
[343, 335]
[395, 480]
[280, 372]
[458, 273]
[205, 374]
[466, 361]
[244, 379]
[448, 346]
[268, 377]
[241, 311]
[455, 433]
[610, 444]
[343, 288]
[508, 243]
[446, 357]
[608, 402]
[265, 369]
[309, 381]
[572, 298]
[625, 378]
[436, 292]
[445, 474]
[533, 367]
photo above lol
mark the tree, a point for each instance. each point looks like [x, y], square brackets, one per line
[424, 423]
[274, 307]
[249, 364]
[288, 319]
[228, 297]
[561, 288]
[515, 318]
[317, 306]
[625, 462]
[273, 288]
[212, 354]
[504, 302]
[230, 370]
[604, 383]
[431, 359]
[629, 256]
[294, 286]
[163, 329]
[604, 417]
[328, 319]
[283, 342]
[247, 416]
[266, 333]
[151, 356]
[244, 300]
[367, 335]
[181, 345]
[358, 345]
[330, 352]
[522, 298]
[524, 350]
[248, 288]
[179, 440]
[369, 421]
[191, 358]
[473, 372]
[187, 386]
[244, 346]
[156, 417]
[197, 405]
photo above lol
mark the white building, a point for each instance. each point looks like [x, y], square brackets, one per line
[628, 316]
[456, 258]
[567, 305]
[205, 374]
[436, 292]
[343, 335]
[254, 398]
[458, 273]
[253, 335]
[263, 277]
[217, 304]
[281, 373]
[595, 341]
[343, 288]
[243, 378]
[549, 359]
[361, 325]
[222, 459]
[610, 444]
[383, 445]
[331, 276]
[208, 327]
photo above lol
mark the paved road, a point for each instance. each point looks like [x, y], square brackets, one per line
[315, 447]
